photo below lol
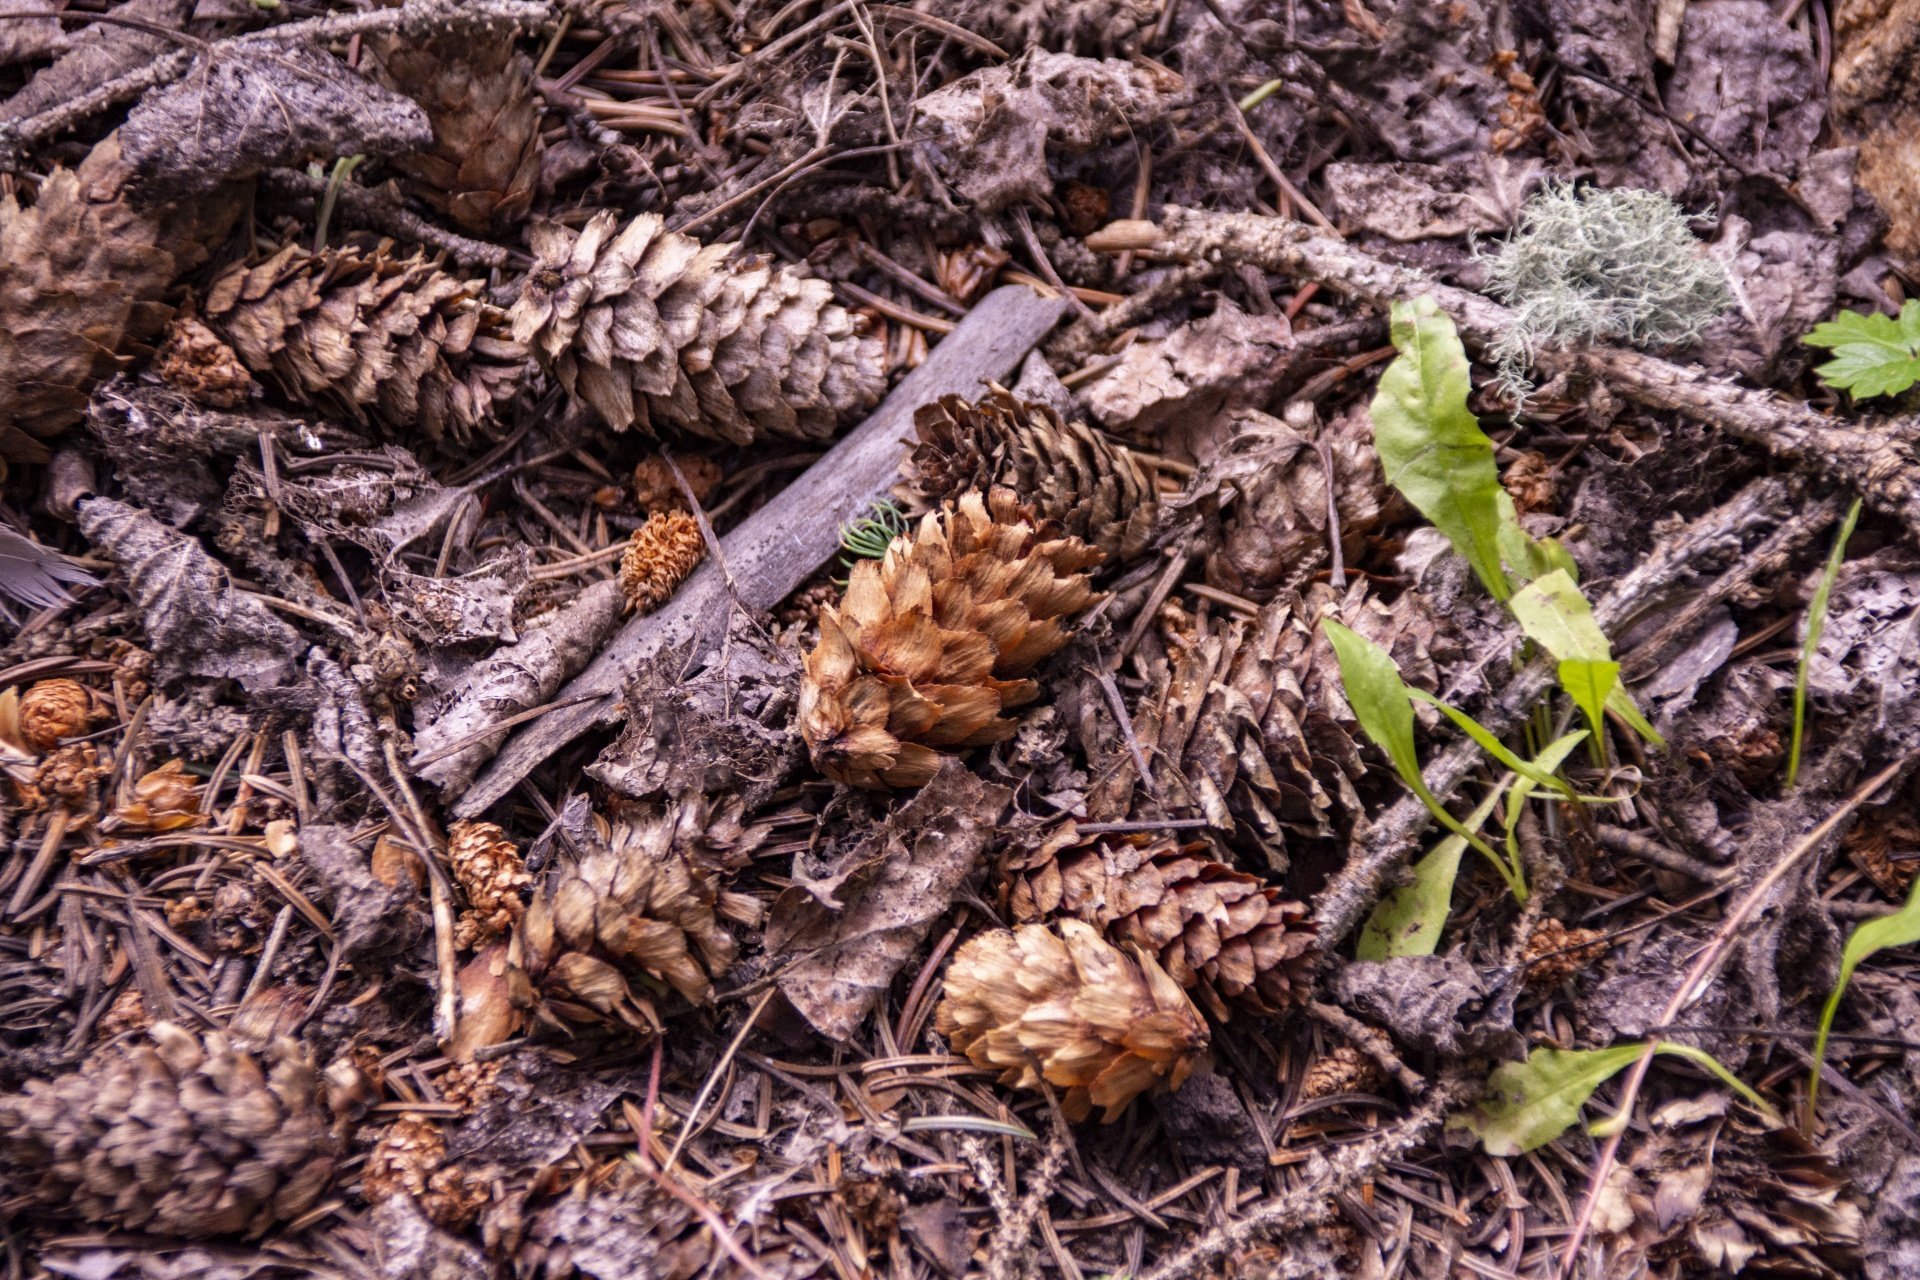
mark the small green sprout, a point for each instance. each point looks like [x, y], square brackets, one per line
[869, 537]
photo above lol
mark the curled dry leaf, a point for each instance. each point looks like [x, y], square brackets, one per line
[164, 799]
[1061, 1004]
[249, 106]
[987, 135]
[892, 882]
[199, 624]
[450, 748]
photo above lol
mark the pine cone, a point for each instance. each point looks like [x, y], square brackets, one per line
[52, 710]
[488, 866]
[197, 364]
[82, 272]
[1248, 724]
[1062, 1004]
[931, 643]
[652, 328]
[477, 91]
[186, 1136]
[663, 552]
[647, 898]
[1073, 475]
[1276, 533]
[379, 338]
[1219, 932]
[1102, 27]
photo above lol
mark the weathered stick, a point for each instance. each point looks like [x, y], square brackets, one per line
[1874, 457]
[777, 547]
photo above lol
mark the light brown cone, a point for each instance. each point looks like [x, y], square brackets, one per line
[932, 643]
[1061, 1003]
[662, 553]
[654, 330]
[1248, 724]
[82, 275]
[1225, 936]
[1071, 474]
[1277, 531]
[477, 91]
[367, 333]
[184, 1136]
[490, 871]
[646, 898]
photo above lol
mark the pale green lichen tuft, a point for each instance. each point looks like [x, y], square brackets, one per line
[1600, 266]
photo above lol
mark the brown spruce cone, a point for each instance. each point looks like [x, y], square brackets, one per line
[662, 553]
[932, 643]
[652, 328]
[1061, 1003]
[477, 91]
[1276, 533]
[1071, 474]
[51, 710]
[1222, 934]
[82, 273]
[186, 1136]
[1106, 28]
[646, 897]
[375, 336]
[1248, 725]
[488, 867]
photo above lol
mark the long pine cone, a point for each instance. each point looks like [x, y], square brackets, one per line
[653, 329]
[1060, 1003]
[186, 1136]
[379, 338]
[477, 91]
[1077, 477]
[933, 642]
[1229, 939]
[82, 272]
[645, 898]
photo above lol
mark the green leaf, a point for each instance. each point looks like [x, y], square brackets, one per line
[1557, 617]
[1816, 623]
[1409, 920]
[1590, 684]
[1526, 556]
[1899, 929]
[1431, 447]
[1531, 1103]
[1873, 355]
[1551, 757]
[1492, 745]
[1383, 705]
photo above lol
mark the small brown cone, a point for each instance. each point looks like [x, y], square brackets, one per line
[82, 273]
[1278, 531]
[1062, 1004]
[54, 709]
[646, 897]
[381, 338]
[186, 1136]
[1071, 474]
[488, 867]
[933, 642]
[654, 329]
[1223, 935]
[477, 91]
[663, 552]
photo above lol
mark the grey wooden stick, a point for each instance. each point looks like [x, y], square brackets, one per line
[776, 548]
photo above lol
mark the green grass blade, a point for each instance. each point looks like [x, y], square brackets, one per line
[1816, 623]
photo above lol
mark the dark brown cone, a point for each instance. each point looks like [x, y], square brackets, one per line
[1071, 474]
[82, 274]
[1223, 935]
[1060, 1003]
[477, 91]
[645, 898]
[932, 643]
[1247, 723]
[186, 1136]
[379, 338]
[654, 329]
[1276, 533]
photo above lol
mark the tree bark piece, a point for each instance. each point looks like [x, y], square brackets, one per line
[775, 549]
[1874, 457]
